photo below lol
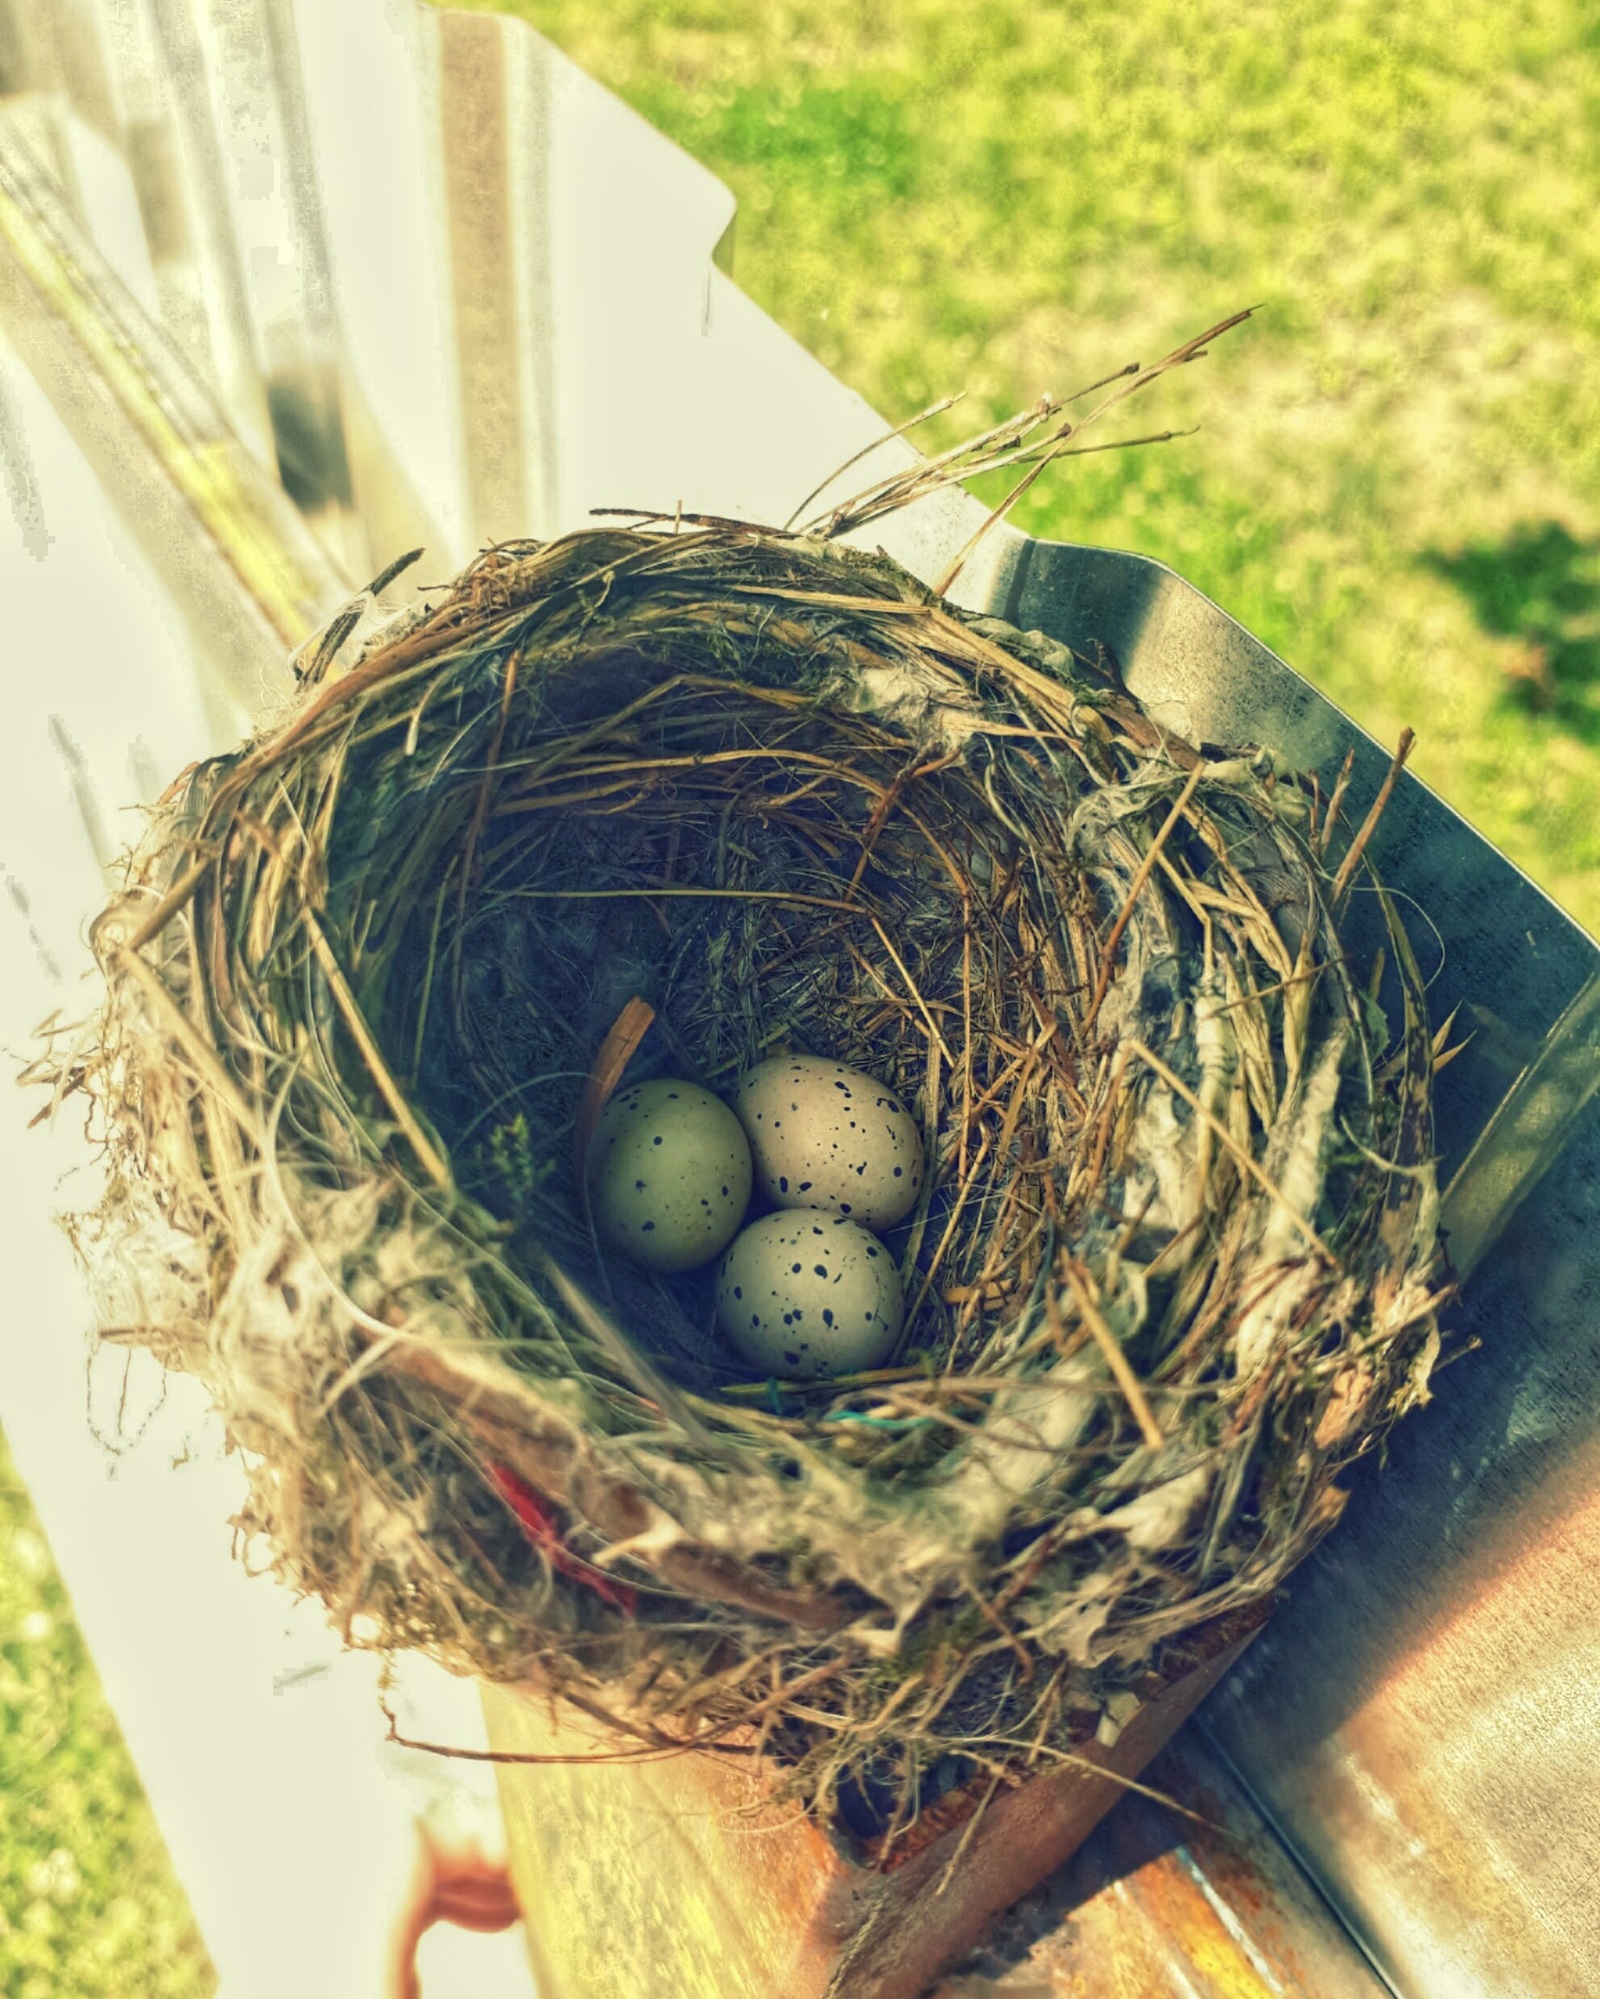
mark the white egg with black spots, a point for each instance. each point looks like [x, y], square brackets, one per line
[808, 1295]
[669, 1175]
[823, 1136]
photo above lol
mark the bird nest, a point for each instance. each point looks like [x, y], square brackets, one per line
[670, 799]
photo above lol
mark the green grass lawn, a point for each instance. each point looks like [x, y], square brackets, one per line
[1397, 478]
[89, 1908]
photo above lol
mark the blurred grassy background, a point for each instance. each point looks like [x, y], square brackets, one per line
[1397, 479]
[1396, 482]
[89, 1908]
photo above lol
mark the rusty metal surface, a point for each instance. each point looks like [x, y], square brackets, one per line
[1153, 1906]
[679, 1877]
[1425, 1723]
[1422, 1719]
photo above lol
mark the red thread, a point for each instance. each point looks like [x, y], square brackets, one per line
[537, 1518]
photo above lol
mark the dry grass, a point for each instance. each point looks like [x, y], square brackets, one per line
[1173, 1266]
[88, 1905]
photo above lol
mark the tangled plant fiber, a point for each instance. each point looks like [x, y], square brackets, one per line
[677, 797]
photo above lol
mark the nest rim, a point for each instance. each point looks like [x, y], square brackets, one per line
[603, 1473]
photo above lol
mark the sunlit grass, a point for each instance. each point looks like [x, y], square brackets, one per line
[89, 1908]
[1006, 198]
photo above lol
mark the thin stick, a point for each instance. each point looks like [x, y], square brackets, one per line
[1369, 825]
[1116, 1360]
[377, 1068]
[1103, 1770]
[689, 894]
[1233, 1146]
[616, 1052]
[1124, 915]
[169, 905]
[200, 1054]
[1330, 817]
[834, 600]
[911, 987]
[480, 809]
[966, 1036]
[982, 453]
[866, 451]
[949, 1231]
[965, 1841]
[1039, 467]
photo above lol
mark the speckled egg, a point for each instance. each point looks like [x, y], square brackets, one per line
[823, 1136]
[808, 1295]
[669, 1175]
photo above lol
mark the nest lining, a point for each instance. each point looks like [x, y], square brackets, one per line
[1173, 1270]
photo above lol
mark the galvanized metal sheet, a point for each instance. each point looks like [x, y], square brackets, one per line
[1157, 1906]
[1422, 1719]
